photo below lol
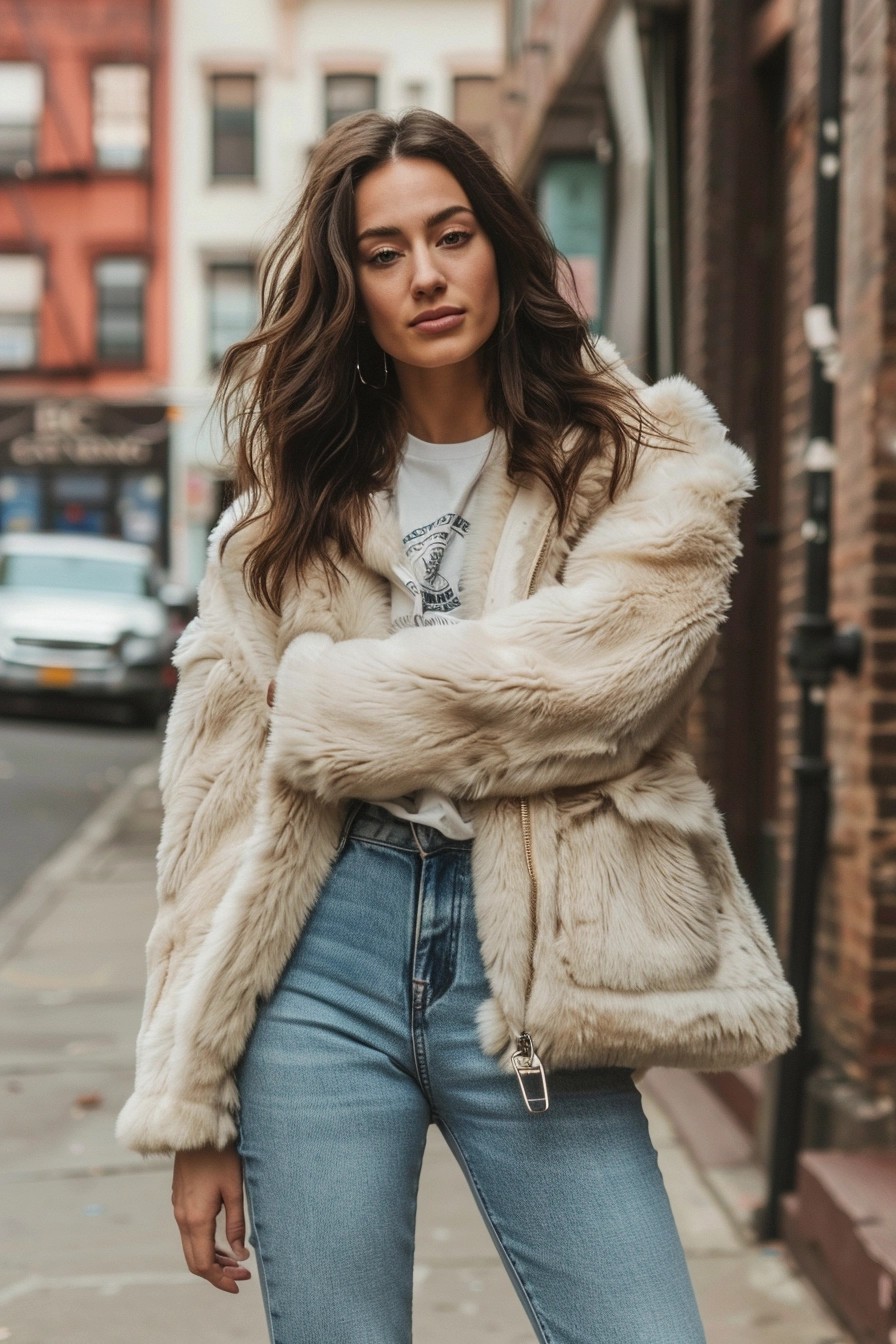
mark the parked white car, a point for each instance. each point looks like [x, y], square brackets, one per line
[87, 617]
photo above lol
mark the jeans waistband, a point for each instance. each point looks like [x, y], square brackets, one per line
[369, 821]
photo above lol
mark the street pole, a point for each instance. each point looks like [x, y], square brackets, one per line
[816, 648]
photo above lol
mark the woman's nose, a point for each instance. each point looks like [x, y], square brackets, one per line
[427, 276]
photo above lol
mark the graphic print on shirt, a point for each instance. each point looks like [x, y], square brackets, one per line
[425, 548]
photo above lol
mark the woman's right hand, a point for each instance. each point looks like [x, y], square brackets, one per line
[204, 1180]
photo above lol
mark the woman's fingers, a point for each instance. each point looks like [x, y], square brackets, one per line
[231, 1266]
[198, 1240]
[204, 1181]
[234, 1216]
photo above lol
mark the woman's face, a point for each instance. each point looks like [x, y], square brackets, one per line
[426, 271]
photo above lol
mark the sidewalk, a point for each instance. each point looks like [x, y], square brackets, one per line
[89, 1253]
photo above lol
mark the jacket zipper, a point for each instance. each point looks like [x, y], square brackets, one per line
[529, 1068]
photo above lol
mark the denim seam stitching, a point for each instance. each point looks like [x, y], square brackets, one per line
[259, 1260]
[384, 844]
[459, 895]
[487, 1214]
[445, 849]
[411, 848]
[451, 940]
[418, 1045]
[347, 822]
[421, 1065]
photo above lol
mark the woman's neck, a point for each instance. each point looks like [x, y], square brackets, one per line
[444, 405]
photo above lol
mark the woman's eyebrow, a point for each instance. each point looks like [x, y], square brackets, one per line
[392, 230]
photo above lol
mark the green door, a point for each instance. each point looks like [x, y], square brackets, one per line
[572, 203]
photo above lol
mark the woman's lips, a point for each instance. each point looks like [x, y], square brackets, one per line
[438, 324]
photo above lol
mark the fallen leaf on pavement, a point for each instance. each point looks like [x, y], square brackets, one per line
[88, 1101]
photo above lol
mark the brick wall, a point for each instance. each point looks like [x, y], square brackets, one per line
[876, 32]
[855, 1001]
[844, 1005]
[710, 199]
[800, 139]
[710, 195]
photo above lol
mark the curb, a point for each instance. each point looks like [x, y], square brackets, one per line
[46, 883]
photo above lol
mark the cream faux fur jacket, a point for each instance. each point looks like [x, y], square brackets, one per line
[615, 927]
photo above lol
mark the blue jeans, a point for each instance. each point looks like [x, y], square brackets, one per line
[369, 1038]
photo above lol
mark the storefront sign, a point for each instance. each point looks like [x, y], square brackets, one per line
[82, 433]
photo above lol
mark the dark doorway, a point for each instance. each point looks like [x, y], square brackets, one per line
[748, 790]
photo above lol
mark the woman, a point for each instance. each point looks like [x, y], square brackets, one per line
[434, 849]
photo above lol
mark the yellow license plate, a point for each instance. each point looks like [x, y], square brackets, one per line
[55, 676]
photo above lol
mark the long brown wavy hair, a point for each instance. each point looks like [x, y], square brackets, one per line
[312, 442]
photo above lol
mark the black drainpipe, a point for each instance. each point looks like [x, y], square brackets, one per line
[816, 648]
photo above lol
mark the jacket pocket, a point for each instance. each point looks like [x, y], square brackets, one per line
[637, 898]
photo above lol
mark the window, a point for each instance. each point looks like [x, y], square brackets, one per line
[414, 93]
[476, 106]
[571, 198]
[37, 571]
[20, 502]
[21, 282]
[345, 94]
[521, 12]
[141, 502]
[121, 117]
[233, 126]
[120, 302]
[232, 306]
[21, 105]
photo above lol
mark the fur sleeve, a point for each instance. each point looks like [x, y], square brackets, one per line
[214, 740]
[223, 658]
[569, 686]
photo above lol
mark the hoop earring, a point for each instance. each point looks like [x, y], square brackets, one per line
[375, 387]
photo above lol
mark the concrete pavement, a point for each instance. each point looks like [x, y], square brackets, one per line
[89, 1253]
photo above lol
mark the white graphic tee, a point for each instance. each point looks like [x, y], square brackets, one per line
[432, 496]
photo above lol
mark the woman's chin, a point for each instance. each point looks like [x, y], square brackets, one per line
[437, 357]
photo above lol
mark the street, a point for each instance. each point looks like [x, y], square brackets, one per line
[53, 773]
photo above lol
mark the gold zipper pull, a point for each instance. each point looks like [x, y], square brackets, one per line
[530, 1075]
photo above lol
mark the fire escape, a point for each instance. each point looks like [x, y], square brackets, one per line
[21, 169]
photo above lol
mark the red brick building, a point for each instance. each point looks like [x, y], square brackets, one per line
[709, 154]
[84, 267]
[749, 260]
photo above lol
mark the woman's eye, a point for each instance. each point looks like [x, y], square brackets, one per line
[456, 237]
[383, 257]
